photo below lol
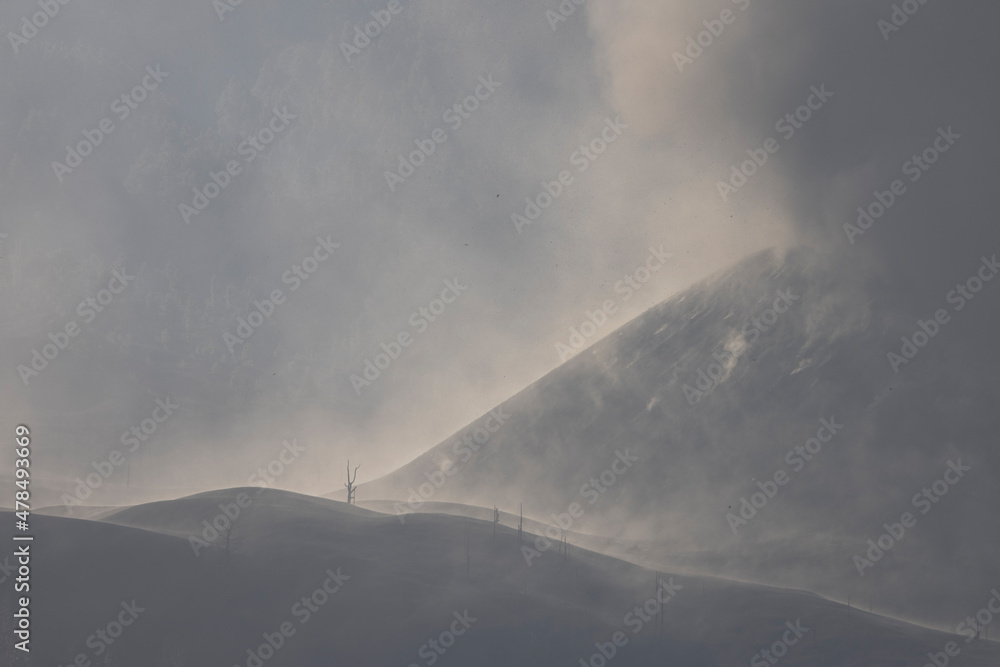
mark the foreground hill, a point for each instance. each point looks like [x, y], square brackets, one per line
[709, 394]
[391, 587]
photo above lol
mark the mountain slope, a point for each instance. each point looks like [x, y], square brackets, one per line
[700, 449]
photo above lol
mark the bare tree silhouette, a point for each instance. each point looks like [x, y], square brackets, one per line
[351, 489]
[228, 542]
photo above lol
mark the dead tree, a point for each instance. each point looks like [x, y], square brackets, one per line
[496, 520]
[520, 525]
[351, 489]
[228, 542]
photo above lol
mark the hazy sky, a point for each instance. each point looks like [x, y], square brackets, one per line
[340, 118]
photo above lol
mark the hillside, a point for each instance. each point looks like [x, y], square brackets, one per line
[398, 585]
